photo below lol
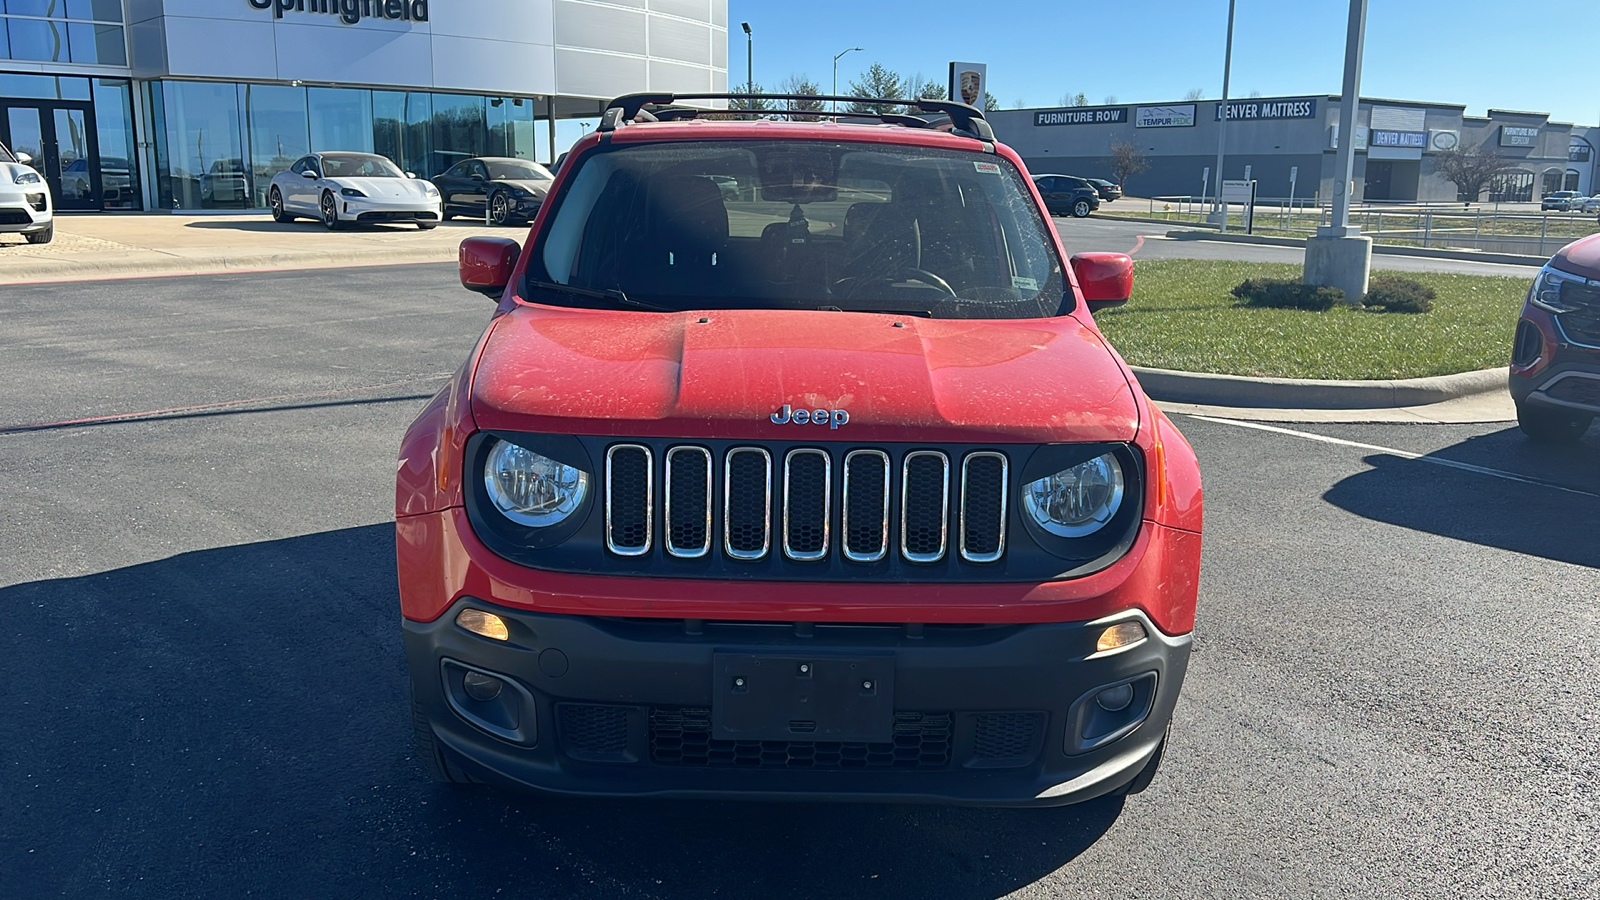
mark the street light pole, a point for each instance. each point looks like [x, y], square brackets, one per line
[836, 74]
[1217, 205]
[1339, 255]
[749, 66]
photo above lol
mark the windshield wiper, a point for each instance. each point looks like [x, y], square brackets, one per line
[612, 294]
[920, 313]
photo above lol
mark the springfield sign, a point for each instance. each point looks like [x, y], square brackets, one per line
[350, 11]
[1164, 116]
[1269, 109]
[1083, 116]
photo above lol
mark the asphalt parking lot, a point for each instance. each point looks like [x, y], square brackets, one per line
[1392, 693]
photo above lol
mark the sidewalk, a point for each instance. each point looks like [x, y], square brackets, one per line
[99, 246]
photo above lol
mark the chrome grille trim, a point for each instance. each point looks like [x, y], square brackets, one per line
[727, 502]
[827, 509]
[705, 546]
[1005, 487]
[944, 506]
[883, 542]
[649, 500]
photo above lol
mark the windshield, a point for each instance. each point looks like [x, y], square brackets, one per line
[358, 165]
[804, 225]
[516, 170]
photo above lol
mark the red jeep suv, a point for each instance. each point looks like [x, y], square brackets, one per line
[1555, 357]
[830, 488]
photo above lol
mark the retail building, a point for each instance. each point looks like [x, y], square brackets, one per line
[195, 104]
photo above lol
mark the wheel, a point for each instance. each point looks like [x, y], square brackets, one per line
[42, 237]
[1081, 209]
[427, 226]
[429, 753]
[275, 200]
[1148, 773]
[1548, 426]
[499, 208]
[330, 211]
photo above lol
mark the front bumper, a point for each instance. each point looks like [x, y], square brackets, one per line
[983, 715]
[1559, 372]
[24, 208]
[377, 209]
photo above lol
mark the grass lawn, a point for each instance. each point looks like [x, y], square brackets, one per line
[1181, 316]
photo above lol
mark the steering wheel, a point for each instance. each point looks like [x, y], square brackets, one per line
[912, 273]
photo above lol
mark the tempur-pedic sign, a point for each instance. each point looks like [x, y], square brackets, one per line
[1164, 116]
[350, 11]
[1084, 116]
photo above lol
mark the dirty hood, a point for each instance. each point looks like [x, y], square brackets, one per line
[729, 374]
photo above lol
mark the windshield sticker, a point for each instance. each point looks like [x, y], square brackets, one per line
[987, 168]
[1022, 283]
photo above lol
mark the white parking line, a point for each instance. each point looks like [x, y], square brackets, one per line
[1404, 454]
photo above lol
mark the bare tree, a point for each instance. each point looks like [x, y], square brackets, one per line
[1195, 94]
[1255, 95]
[1111, 100]
[1071, 99]
[1125, 161]
[1470, 169]
[743, 103]
[800, 84]
[926, 88]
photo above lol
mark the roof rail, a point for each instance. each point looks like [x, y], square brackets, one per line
[966, 120]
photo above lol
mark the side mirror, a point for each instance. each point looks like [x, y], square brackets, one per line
[309, 173]
[1106, 279]
[486, 263]
[411, 174]
[24, 158]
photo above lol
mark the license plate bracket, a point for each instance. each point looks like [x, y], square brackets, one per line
[784, 697]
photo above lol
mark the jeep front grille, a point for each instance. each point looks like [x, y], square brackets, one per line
[794, 500]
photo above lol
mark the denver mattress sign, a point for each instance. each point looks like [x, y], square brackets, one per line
[350, 11]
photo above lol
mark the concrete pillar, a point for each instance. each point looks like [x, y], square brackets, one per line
[1339, 260]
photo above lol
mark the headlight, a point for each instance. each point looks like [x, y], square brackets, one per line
[429, 189]
[26, 177]
[531, 489]
[1547, 289]
[351, 192]
[1078, 501]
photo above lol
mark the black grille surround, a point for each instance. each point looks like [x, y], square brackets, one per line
[1582, 324]
[682, 737]
[871, 534]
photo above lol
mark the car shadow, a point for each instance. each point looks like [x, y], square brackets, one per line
[1543, 516]
[302, 224]
[234, 721]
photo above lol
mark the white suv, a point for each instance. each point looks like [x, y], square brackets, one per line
[24, 199]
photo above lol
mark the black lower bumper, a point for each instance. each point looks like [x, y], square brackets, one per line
[1002, 715]
[397, 216]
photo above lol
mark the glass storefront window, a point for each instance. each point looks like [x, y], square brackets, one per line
[95, 10]
[51, 8]
[38, 39]
[102, 44]
[203, 165]
[119, 165]
[459, 131]
[278, 133]
[511, 127]
[341, 119]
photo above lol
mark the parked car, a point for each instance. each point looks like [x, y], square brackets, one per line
[25, 205]
[339, 188]
[1561, 200]
[503, 189]
[1109, 190]
[724, 504]
[1591, 204]
[223, 183]
[1555, 357]
[1067, 195]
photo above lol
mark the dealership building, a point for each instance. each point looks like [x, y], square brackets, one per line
[1279, 140]
[195, 104]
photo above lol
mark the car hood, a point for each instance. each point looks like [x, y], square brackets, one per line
[724, 374]
[383, 187]
[1581, 257]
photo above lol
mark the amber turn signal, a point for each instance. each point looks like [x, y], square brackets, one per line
[493, 627]
[1120, 635]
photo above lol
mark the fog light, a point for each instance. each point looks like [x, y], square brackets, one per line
[1119, 635]
[484, 688]
[488, 624]
[1112, 699]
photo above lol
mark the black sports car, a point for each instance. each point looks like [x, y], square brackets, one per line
[502, 189]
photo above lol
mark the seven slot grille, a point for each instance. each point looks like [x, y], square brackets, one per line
[752, 503]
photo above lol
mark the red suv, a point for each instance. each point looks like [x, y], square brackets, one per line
[1555, 357]
[832, 489]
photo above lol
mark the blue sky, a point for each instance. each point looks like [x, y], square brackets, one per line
[1539, 55]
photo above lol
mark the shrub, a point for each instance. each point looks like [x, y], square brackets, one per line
[1286, 293]
[1392, 293]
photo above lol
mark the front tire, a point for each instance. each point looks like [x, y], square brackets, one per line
[275, 201]
[426, 226]
[1081, 209]
[429, 753]
[330, 211]
[499, 209]
[1548, 426]
[43, 236]
[1148, 773]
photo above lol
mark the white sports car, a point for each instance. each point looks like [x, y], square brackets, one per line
[352, 187]
[24, 199]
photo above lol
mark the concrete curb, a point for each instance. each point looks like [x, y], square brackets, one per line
[1305, 393]
[1515, 259]
[212, 265]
